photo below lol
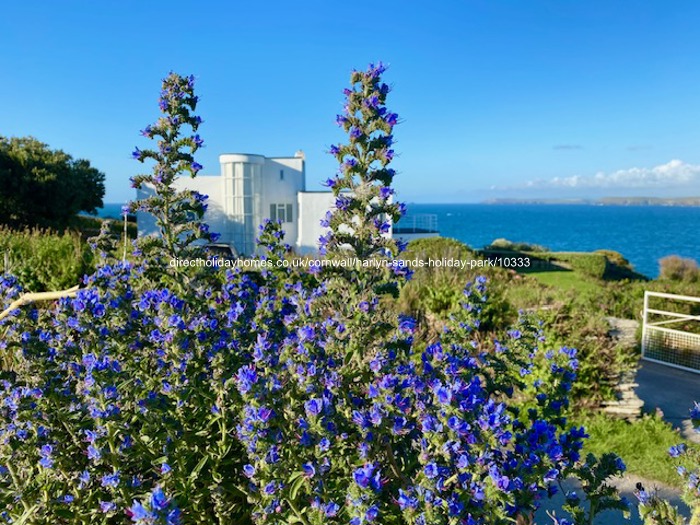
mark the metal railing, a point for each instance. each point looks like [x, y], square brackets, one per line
[663, 341]
[418, 223]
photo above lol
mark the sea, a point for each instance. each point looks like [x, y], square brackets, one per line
[642, 234]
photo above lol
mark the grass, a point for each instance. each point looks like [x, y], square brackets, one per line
[643, 445]
[567, 280]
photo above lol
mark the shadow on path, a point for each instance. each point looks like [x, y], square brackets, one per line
[672, 391]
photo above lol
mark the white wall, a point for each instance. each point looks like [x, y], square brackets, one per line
[312, 208]
[209, 185]
[282, 179]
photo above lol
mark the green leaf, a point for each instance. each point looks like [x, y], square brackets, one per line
[195, 472]
[295, 487]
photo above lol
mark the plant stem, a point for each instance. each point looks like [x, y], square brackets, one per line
[298, 514]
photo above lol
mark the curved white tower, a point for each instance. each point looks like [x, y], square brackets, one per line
[242, 175]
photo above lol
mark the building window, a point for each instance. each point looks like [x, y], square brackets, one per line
[281, 174]
[281, 212]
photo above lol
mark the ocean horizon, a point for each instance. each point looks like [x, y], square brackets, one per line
[642, 234]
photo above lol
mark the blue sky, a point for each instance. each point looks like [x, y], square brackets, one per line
[497, 98]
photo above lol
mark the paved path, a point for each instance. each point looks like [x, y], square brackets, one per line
[672, 391]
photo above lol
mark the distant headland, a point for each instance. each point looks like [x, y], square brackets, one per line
[606, 201]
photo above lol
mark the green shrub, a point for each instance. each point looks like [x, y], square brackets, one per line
[615, 258]
[505, 244]
[43, 260]
[90, 226]
[675, 268]
[435, 292]
[601, 359]
[590, 264]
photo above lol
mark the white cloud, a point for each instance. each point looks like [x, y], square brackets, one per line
[675, 173]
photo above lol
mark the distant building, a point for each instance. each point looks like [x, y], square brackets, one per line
[250, 189]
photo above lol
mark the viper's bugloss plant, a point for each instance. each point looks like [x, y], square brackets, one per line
[363, 195]
[178, 213]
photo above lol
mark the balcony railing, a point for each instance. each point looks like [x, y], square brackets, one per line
[417, 223]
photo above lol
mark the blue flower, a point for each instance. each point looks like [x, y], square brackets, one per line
[108, 506]
[372, 513]
[368, 476]
[94, 453]
[324, 444]
[444, 395]
[309, 470]
[46, 460]
[407, 324]
[140, 515]
[247, 376]
[677, 450]
[84, 479]
[313, 407]
[173, 517]
[331, 509]
[695, 412]
[455, 506]
[406, 501]
[158, 500]
[462, 461]
[110, 480]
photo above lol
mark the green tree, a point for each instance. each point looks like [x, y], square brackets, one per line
[44, 187]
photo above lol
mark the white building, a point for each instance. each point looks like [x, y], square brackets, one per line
[250, 189]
